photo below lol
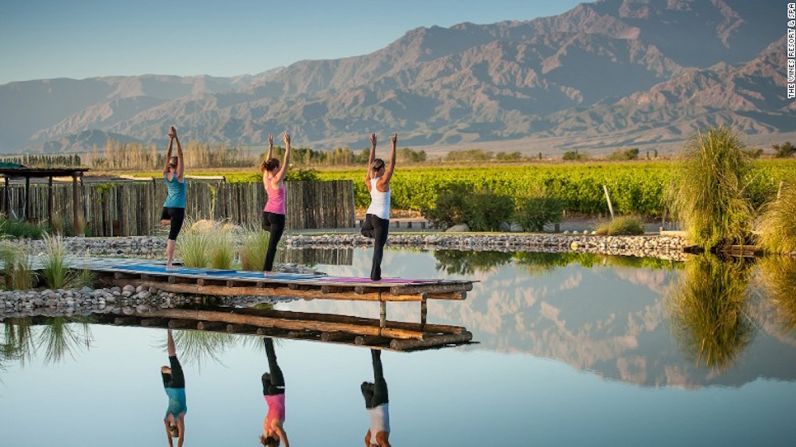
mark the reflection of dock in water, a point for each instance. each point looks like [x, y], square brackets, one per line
[327, 328]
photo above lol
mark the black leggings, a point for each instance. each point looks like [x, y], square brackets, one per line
[176, 379]
[273, 381]
[274, 224]
[376, 228]
[375, 393]
[176, 216]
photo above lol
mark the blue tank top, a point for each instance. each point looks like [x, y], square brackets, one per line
[177, 402]
[176, 192]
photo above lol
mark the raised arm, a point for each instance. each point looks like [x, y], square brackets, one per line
[385, 179]
[181, 428]
[168, 433]
[283, 170]
[270, 147]
[180, 157]
[168, 154]
[371, 157]
[170, 344]
[282, 435]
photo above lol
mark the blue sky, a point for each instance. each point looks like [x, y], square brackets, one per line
[79, 39]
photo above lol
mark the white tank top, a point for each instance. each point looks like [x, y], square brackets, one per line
[379, 201]
[379, 421]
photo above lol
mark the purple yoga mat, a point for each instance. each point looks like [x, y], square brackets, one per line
[368, 280]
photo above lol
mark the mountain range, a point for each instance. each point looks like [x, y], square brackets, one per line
[613, 72]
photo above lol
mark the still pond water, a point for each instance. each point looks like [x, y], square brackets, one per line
[572, 350]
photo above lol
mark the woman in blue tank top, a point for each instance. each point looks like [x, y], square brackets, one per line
[174, 207]
[174, 384]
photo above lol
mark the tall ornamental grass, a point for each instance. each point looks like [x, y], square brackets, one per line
[778, 222]
[221, 250]
[621, 226]
[54, 270]
[778, 281]
[253, 249]
[708, 310]
[707, 194]
[193, 246]
[18, 272]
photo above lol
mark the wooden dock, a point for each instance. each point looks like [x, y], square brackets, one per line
[197, 281]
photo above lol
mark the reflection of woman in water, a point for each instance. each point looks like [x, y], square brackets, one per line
[274, 393]
[174, 382]
[377, 404]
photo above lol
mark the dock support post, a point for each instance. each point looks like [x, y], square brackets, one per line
[423, 308]
[6, 198]
[382, 312]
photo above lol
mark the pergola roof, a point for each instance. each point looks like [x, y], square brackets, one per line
[42, 172]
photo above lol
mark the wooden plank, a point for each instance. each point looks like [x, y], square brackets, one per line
[195, 289]
[176, 315]
[332, 318]
[181, 324]
[211, 326]
[438, 340]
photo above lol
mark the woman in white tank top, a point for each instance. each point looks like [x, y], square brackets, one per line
[377, 219]
[377, 402]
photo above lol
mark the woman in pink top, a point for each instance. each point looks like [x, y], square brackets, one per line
[274, 393]
[274, 211]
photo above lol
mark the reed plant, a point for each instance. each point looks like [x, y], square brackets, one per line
[777, 232]
[253, 249]
[708, 191]
[708, 310]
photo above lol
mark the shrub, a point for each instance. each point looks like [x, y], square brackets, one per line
[533, 213]
[481, 211]
[777, 229]
[708, 190]
[18, 273]
[255, 245]
[784, 150]
[625, 154]
[574, 156]
[450, 208]
[302, 175]
[485, 211]
[193, 245]
[621, 226]
[55, 271]
[20, 229]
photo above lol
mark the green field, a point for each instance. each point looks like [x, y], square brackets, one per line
[636, 187]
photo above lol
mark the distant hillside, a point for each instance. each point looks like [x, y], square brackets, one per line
[647, 71]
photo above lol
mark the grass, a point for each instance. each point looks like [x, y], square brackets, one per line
[193, 245]
[254, 247]
[55, 271]
[621, 226]
[709, 310]
[19, 229]
[778, 278]
[221, 249]
[777, 229]
[17, 270]
[708, 192]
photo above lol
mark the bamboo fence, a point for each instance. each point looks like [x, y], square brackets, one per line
[134, 208]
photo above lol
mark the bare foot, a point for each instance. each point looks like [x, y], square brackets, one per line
[165, 222]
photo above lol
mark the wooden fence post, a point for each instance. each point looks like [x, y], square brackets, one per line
[608, 199]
